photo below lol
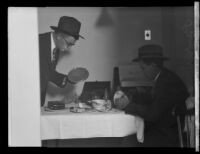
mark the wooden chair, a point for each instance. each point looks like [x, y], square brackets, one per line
[186, 128]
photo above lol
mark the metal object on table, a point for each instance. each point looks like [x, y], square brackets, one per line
[77, 109]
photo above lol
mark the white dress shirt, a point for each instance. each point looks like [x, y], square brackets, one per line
[52, 47]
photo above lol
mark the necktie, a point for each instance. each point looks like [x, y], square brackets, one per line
[54, 58]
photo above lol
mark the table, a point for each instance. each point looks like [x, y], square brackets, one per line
[88, 128]
[67, 125]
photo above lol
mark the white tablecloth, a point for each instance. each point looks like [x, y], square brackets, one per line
[67, 125]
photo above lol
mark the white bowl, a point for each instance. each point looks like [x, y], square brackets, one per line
[98, 101]
[100, 104]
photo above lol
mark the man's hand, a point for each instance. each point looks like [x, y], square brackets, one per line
[120, 100]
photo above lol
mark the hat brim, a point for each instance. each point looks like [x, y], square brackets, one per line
[139, 59]
[68, 33]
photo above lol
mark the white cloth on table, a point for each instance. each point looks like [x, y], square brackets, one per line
[139, 124]
[67, 125]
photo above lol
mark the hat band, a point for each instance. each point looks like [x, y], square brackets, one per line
[69, 33]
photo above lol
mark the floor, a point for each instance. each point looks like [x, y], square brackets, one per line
[90, 142]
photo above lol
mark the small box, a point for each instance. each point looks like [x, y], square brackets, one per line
[56, 105]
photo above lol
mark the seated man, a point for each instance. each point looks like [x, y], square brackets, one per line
[168, 95]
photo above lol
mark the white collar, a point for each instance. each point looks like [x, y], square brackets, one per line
[157, 76]
[52, 42]
[52, 45]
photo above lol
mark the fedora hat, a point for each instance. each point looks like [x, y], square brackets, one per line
[68, 25]
[150, 51]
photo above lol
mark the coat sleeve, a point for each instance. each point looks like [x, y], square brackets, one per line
[163, 103]
[58, 78]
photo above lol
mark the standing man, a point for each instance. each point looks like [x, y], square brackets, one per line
[168, 97]
[51, 44]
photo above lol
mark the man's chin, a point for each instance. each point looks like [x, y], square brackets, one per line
[64, 50]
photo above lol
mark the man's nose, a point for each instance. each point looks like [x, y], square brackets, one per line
[68, 48]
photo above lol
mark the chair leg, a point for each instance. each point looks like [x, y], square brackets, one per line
[188, 132]
[180, 132]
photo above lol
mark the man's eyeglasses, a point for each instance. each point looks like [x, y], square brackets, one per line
[69, 44]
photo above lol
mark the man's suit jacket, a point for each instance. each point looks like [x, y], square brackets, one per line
[47, 69]
[169, 93]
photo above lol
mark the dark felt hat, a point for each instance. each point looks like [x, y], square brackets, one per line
[150, 51]
[69, 25]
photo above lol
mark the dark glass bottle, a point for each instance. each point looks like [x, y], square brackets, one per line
[116, 81]
[106, 94]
